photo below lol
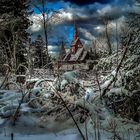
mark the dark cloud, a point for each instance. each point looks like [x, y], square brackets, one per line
[89, 15]
[86, 2]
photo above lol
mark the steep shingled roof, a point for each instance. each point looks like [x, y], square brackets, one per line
[79, 52]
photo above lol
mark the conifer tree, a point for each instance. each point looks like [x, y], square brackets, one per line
[14, 23]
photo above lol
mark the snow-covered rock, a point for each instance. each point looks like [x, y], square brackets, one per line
[117, 91]
[89, 94]
[71, 76]
[63, 84]
[36, 90]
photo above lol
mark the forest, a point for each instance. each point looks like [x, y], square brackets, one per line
[86, 91]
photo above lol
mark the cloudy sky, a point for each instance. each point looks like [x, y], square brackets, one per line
[87, 13]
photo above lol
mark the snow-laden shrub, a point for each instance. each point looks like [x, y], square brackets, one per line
[109, 62]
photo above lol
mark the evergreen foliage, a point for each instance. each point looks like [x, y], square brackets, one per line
[14, 23]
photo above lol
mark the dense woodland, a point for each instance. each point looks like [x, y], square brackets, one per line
[114, 74]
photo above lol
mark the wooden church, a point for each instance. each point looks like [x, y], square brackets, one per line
[75, 57]
[77, 52]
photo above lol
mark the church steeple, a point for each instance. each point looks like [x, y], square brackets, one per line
[77, 51]
[62, 51]
[76, 43]
[75, 36]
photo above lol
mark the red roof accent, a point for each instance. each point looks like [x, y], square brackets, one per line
[77, 52]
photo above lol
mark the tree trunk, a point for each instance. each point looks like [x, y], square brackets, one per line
[108, 39]
[45, 26]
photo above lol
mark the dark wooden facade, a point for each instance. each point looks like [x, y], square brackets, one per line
[77, 52]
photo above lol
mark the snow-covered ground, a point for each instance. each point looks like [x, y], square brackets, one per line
[44, 118]
[65, 135]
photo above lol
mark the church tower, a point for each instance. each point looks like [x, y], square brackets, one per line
[75, 36]
[62, 51]
[76, 42]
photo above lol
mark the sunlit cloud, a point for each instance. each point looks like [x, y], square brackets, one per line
[37, 24]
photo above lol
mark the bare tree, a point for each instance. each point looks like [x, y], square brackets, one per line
[107, 32]
[107, 35]
[13, 32]
[10, 44]
[47, 17]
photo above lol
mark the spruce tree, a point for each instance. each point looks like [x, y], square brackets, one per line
[14, 23]
[132, 63]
